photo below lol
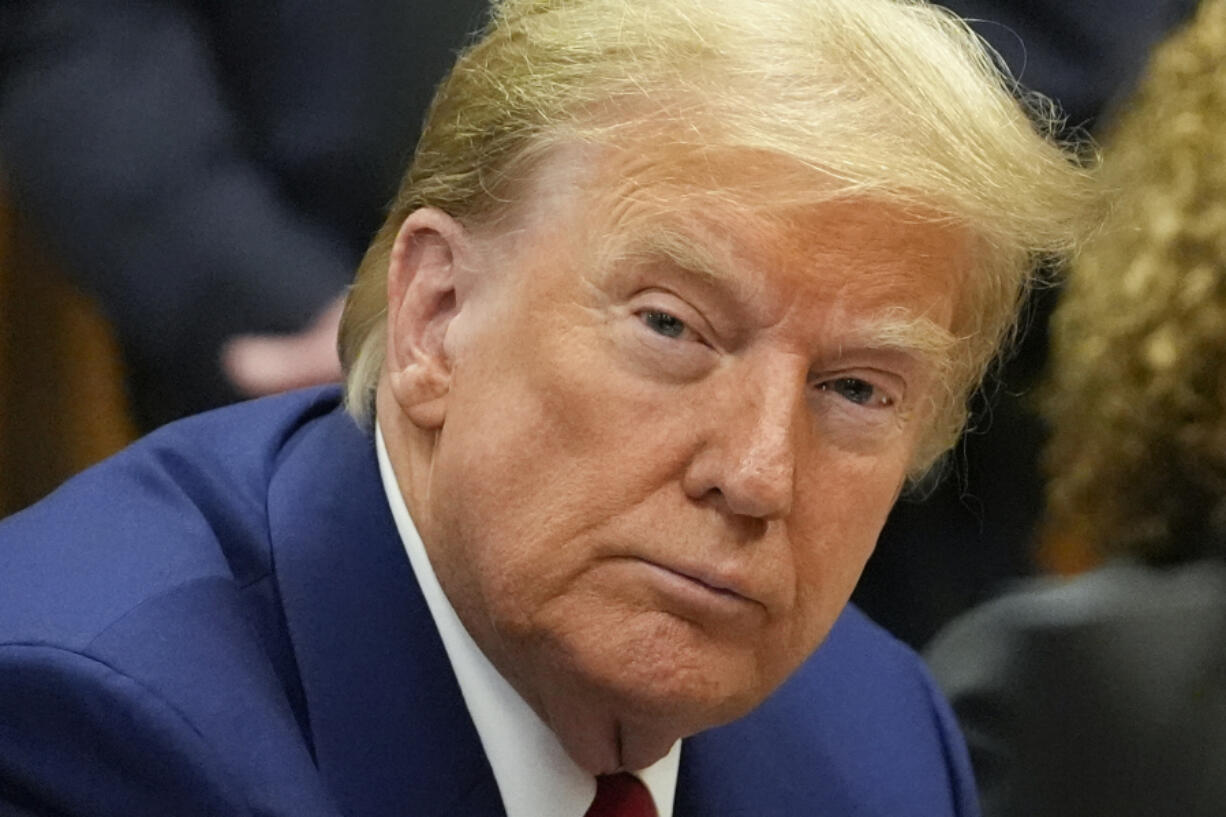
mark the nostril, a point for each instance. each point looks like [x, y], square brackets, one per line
[761, 489]
[743, 527]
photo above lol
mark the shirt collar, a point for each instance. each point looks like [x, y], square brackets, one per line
[535, 776]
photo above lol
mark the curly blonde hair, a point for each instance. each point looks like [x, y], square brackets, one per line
[1137, 387]
[894, 99]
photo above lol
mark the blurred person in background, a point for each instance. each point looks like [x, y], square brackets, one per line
[211, 172]
[1106, 694]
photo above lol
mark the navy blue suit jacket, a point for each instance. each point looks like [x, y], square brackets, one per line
[221, 620]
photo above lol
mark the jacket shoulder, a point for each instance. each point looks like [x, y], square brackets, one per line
[185, 503]
[1164, 612]
[172, 710]
[1113, 672]
[859, 729]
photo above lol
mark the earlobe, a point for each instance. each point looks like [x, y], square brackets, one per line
[422, 301]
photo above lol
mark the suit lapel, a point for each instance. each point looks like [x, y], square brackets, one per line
[390, 731]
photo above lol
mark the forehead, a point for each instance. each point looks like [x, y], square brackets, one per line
[744, 221]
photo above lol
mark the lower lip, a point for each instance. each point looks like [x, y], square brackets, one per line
[698, 602]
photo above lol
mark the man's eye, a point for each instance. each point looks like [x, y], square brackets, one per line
[663, 323]
[857, 391]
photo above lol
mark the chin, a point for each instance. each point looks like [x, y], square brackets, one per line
[692, 682]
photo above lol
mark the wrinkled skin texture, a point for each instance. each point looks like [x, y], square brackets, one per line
[649, 489]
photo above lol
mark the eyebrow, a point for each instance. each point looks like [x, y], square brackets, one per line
[897, 328]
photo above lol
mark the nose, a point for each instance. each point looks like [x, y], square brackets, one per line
[747, 463]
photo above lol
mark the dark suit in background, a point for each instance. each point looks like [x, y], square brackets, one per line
[1104, 695]
[207, 169]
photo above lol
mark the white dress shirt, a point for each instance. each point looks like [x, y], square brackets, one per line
[534, 774]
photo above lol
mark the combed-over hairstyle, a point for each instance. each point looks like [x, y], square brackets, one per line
[891, 99]
[1136, 397]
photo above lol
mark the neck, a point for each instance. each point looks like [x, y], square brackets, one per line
[601, 744]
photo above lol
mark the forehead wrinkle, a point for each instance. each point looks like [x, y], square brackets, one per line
[643, 210]
[677, 247]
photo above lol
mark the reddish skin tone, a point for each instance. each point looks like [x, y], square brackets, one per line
[647, 492]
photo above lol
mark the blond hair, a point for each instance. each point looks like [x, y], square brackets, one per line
[1137, 387]
[893, 99]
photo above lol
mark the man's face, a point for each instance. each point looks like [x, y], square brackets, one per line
[671, 441]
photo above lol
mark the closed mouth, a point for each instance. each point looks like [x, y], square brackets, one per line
[708, 580]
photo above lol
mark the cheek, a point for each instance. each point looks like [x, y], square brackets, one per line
[833, 533]
[545, 446]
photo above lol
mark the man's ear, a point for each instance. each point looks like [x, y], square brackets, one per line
[427, 257]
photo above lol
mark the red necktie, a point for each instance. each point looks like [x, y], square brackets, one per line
[621, 795]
